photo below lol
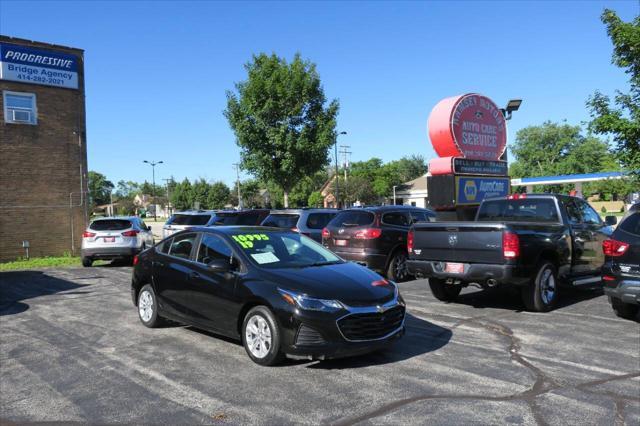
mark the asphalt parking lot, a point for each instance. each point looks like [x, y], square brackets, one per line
[72, 349]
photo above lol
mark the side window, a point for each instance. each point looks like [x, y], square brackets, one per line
[631, 224]
[574, 212]
[213, 248]
[143, 225]
[182, 245]
[589, 214]
[418, 216]
[396, 218]
[164, 247]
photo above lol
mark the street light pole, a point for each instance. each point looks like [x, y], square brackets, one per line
[237, 166]
[153, 188]
[336, 175]
[394, 194]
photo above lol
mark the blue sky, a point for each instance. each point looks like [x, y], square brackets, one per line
[156, 72]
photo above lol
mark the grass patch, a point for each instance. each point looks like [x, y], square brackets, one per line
[40, 262]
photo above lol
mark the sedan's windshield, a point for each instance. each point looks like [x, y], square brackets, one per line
[275, 250]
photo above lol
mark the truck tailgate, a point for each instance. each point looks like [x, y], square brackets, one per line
[464, 242]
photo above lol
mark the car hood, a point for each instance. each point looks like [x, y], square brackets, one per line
[347, 282]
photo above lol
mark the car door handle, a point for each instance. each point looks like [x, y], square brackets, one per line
[194, 275]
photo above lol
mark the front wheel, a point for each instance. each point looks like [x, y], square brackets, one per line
[87, 262]
[397, 270]
[542, 293]
[443, 291]
[148, 307]
[624, 310]
[261, 336]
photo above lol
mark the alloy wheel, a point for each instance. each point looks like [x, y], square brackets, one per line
[258, 336]
[145, 306]
[547, 286]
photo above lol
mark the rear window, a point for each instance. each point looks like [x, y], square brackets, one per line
[189, 219]
[282, 220]
[249, 219]
[319, 220]
[526, 210]
[352, 218]
[226, 219]
[110, 225]
[631, 224]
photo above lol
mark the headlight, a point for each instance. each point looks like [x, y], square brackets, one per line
[310, 303]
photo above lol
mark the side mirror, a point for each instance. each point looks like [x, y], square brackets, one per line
[611, 220]
[148, 228]
[219, 265]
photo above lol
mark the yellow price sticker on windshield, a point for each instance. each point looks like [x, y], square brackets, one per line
[246, 240]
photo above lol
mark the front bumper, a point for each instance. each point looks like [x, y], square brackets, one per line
[627, 291]
[317, 335]
[473, 272]
[109, 252]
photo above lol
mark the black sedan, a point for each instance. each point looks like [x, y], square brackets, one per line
[278, 291]
[621, 270]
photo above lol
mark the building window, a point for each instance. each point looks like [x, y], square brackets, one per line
[20, 108]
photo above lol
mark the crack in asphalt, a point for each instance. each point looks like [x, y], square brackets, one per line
[542, 384]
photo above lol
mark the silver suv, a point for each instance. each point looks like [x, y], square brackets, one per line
[115, 238]
[308, 222]
[182, 220]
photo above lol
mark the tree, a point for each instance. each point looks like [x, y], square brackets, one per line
[250, 191]
[127, 189]
[315, 199]
[621, 121]
[182, 197]
[280, 120]
[200, 194]
[99, 188]
[219, 195]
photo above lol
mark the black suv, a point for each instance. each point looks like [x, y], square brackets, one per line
[621, 270]
[375, 237]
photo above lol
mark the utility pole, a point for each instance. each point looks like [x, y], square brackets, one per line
[335, 147]
[153, 188]
[237, 166]
[344, 150]
[166, 182]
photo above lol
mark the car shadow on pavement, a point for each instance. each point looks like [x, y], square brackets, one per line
[421, 337]
[510, 298]
[17, 286]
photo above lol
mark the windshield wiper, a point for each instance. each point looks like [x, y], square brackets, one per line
[326, 262]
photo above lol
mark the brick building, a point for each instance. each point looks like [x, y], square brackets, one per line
[43, 154]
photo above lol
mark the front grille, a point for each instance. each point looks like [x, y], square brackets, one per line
[371, 326]
[360, 303]
[308, 336]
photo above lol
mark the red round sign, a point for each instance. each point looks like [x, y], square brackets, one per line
[469, 126]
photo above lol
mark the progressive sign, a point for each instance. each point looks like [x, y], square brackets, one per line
[35, 66]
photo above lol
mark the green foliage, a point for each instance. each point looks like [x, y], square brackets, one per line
[40, 262]
[603, 209]
[182, 196]
[620, 118]
[280, 120]
[200, 194]
[127, 189]
[315, 199]
[99, 188]
[218, 195]
[558, 149]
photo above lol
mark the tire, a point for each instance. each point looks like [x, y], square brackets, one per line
[541, 294]
[397, 270]
[148, 307]
[87, 262]
[624, 310]
[444, 292]
[261, 336]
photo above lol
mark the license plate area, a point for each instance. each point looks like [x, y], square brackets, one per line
[341, 243]
[454, 268]
[109, 239]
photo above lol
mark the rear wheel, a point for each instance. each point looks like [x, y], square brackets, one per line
[443, 291]
[397, 269]
[261, 336]
[542, 293]
[87, 262]
[624, 310]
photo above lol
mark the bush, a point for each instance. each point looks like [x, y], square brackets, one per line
[603, 209]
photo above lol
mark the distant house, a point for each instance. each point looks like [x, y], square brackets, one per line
[412, 193]
[327, 191]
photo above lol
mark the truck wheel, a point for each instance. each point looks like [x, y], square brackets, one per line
[397, 270]
[624, 310]
[542, 293]
[444, 292]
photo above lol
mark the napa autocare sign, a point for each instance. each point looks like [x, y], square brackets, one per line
[469, 126]
[472, 190]
[36, 66]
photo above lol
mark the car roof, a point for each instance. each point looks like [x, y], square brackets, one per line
[387, 208]
[305, 209]
[235, 229]
[115, 217]
[194, 212]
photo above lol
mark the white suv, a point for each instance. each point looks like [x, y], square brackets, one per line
[115, 238]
